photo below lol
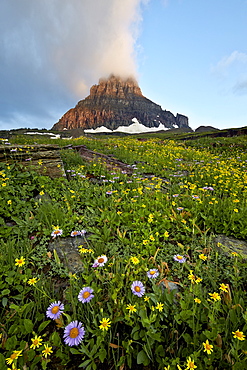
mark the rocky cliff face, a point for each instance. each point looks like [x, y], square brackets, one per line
[115, 102]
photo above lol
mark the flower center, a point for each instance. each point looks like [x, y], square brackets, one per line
[86, 294]
[179, 257]
[74, 333]
[101, 260]
[55, 309]
[152, 272]
[104, 324]
[56, 231]
[137, 289]
[14, 356]
[35, 342]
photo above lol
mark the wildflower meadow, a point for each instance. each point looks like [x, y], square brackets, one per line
[147, 285]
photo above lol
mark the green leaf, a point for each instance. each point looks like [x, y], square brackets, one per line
[4, 301]
[2, 361]
[11, 343]
[5, 292]
[102, 354]
[43, 325]
[30, 354]
[85, 363]
[55, 339]
[75, 351]
[142, 358]
[28, 325]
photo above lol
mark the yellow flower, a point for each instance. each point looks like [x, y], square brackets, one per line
[159, 306]
[203, 257]
[192, 277]
[152, 238]
[134, 260]
[166, 234]
[41, 192]
[235, 210]
[4, 184]
[40, 162]
[215, 296]
[20, 261]
[207, 347]
[238, 334]
[224, 287]
[47, 351]
[190, 364]
[32, 281]
[13, 357]
[105, 324]
[84, 250]
[146, 299]
[36, 342]
[13, 367]
[131, 308]
[145, 242]
[72, 276]
[198, 280]
[9, 201]
[235, 254]
[197, 300]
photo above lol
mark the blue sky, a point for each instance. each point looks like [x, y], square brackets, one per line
[194, 59]
[190, 56]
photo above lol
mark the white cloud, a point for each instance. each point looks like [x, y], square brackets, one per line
[235, 58]
[52, 51]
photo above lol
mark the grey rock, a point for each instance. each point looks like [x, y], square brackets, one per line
[228, 245]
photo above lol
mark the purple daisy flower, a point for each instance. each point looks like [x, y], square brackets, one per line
[56, 232]
[109, 192]
[138, 288]
[75, 233]
[179, 258]
[101, 260]
[55, 310]
[85, 295]
[153, 273]
[74, 333]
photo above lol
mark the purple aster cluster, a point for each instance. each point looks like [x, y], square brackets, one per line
[55, 310]
[56, 232]
[78, 233]
[138, 288]
[85, 295]
[153, 273]
[208, 188]
[179, 258]
[74, 333]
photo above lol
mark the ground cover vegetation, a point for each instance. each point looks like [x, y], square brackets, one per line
[154, 290]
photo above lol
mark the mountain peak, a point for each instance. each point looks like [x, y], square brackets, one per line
[116, 86]
[114, 102]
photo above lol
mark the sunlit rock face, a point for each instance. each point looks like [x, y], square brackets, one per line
[114, 102]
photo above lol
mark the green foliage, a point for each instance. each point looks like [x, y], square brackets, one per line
[175, 202]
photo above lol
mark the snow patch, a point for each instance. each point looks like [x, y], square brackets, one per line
[134, 128]
[53, 136]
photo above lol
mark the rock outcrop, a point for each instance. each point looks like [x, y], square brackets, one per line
[115, 102]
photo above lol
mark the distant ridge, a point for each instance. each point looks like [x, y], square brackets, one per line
[116, 102]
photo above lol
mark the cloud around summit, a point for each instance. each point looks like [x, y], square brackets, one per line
[52, 51]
